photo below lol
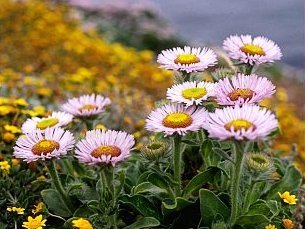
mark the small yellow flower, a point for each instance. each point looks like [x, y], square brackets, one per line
[34, 223]
[287, 198]
[288, 224]
[8, 137]
[19, 211]
[21, 102]
[15, 162]
[7, 109]
[5, 167]
[270, 227]
[12, 129]
[41, 178]
[82, 223]
[38, 208]
[100, 127]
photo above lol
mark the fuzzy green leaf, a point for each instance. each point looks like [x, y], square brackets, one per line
[145, 222]
[177, 205]
[252, 219]
[211, 206]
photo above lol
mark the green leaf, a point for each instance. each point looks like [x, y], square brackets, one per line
[54, 203]
[259, 207]
[83, 211]
[211, 206]
[206, 148]
[290, 182]
[273, 206]
[178, 204]
[190, 142]
[141, 204]
[145, 222]
[222, 153]
[252, 219]
[147, 187]
[199, 180]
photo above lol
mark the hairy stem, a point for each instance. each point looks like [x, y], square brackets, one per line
[177, 157]
[235, 182]
[58, 185]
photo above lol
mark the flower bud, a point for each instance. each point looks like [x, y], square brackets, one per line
[259, 164]
[154, 150]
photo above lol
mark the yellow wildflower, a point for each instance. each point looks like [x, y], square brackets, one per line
[12, 129]
[21, 102]
[15, 162]
[287, 198]
[38, 208]
[100, 127]
[41, 178]
[5, 167]
[7, 109]
[19, 211]
[82, 223]
[270, 227]
[288, 224]
[8, 137]
[34, 223]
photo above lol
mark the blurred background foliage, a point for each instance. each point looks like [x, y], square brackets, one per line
[50, 50]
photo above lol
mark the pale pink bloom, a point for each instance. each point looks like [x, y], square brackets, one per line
[56, 119]
[176, 118]
[100, 146]
[243, 89]
[249, 122]
[86, 105]
[43, 145]
[252, 51]
[187, 59]
[190, 93]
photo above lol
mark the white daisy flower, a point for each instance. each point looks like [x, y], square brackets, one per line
[252, 51]
[190, 93]
[187, 59]
[56, 119]
[249, 122]
[176, 118]
[86, 105]
[242, 89]
[100, 146]
[43, 145]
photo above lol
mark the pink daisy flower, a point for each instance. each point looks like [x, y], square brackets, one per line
[247, 122]
[190, 93]
[86, 105]
[106, 147]
[242, 89]
[56, 119]
[176, 118]
[43, 145]
[252, 51]
[187, 59]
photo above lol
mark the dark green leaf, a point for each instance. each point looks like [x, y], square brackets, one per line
[145, 222]
[252, 219]
[173, 206]
[211, 206]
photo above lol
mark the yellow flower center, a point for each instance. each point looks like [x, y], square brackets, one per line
[194, 93]
[253, 49]
[49, 122]
[113, 151]
[177, 120]
[87, 107]
[187, 59]
[244, 93]
[44, 147]
[239, 124]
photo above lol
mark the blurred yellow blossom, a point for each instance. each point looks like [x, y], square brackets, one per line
[38, 208]
[82, 223]
[288, 224]
[5, 167]
[12, 129]
[287, 198]
[19, 211]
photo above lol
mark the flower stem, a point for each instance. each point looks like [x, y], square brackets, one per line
[58, 185]
[248, 196]
[177, 157]
[235, 182]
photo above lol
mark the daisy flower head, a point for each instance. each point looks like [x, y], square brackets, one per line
[86, 105]
[176, 118]
[249, 122]
[43, 145]
[56, 119]
[242, 89]
[100, 146]
[190, 93]
[253, 51]
[187, 59]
